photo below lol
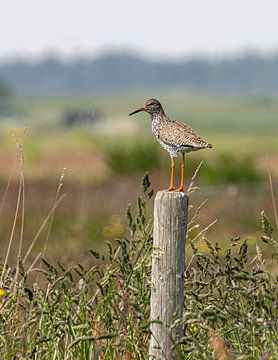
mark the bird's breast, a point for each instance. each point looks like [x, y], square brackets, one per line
[155, 128]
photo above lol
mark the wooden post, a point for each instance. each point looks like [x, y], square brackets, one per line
[168, 265]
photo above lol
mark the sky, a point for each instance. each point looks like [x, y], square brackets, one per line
[154, 28]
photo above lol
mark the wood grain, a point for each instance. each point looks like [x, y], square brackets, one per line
[168, 264]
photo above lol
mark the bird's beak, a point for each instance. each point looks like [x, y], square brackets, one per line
[138, 110]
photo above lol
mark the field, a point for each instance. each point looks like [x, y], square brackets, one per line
[101, 166]
[104, 164]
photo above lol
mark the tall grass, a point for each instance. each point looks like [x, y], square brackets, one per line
[101, 310]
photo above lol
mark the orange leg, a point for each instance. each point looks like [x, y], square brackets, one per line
[181, 188]
[171, 187]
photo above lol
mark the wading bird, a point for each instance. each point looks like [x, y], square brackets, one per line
[175, 136]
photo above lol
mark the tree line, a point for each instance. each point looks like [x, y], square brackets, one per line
[119, 72]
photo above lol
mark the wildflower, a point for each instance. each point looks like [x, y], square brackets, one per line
[192, 328]
[2, 292]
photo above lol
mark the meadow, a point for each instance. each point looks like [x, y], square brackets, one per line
[76, 281]
[104, 163]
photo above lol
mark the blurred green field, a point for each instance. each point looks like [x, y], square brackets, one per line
[105, 162]
[247, 124]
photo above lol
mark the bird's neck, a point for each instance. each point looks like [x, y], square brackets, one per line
[157, 115]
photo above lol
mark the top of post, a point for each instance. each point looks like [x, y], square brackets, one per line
[170, 195]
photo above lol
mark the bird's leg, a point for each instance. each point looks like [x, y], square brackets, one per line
[181, 188]
[171, 187]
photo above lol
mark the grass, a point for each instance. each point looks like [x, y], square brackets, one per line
[100, 310]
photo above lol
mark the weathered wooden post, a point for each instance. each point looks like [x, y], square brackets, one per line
[168, 265]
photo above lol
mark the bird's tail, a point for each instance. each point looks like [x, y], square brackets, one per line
[209, 146]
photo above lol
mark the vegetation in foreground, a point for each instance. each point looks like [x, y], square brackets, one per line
[101, 311]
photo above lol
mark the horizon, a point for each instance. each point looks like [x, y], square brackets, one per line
[132, 53]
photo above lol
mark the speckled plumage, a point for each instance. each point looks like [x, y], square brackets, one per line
[175, 136]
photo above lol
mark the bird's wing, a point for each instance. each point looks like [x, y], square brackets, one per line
[174, 132]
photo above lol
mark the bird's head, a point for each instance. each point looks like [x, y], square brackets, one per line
[151, 106]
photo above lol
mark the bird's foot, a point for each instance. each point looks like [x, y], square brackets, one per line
[170, 188]
[180, 189]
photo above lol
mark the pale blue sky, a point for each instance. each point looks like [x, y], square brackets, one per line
[160, 28]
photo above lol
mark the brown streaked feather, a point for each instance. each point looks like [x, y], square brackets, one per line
[174, 132]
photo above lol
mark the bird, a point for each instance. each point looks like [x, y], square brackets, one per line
[174, 136]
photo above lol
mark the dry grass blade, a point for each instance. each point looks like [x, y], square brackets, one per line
[91, 338]
[21, 160]
[42, 227]
[7, 186]
[195, 216]
[34, 263]
[13, 229]
[60, 185]
[273, 198]
[203, 231]
[191, 187]
[21, 194]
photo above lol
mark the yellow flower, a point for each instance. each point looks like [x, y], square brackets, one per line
[192, 327]
[2, 292]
